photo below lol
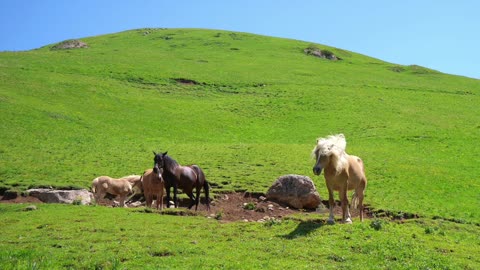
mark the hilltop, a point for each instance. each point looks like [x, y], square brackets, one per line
[246, 108]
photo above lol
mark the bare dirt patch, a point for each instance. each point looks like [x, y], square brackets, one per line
[230, 207]
[18, 199]
[254, 207]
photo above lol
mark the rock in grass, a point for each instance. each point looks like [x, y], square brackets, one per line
[297, 191]
[30, 208]
[81, 196]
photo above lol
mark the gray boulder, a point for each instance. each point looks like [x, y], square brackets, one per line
[298, 191]
[81, 196]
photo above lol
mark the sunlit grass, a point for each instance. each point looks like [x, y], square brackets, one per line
[251, 114]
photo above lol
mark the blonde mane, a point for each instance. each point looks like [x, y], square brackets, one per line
[334, 147]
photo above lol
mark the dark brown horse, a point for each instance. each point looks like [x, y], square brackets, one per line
[185, 177]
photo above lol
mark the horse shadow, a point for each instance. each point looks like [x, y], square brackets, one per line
[304, 228]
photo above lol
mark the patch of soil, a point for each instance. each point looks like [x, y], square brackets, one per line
[186, 81]
[19, 199]
[250, 207]
[239, 206]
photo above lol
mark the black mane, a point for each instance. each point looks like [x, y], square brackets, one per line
[170, 163]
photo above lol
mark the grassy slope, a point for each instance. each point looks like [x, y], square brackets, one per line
[68, 116]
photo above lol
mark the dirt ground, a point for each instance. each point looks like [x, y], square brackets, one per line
[229, 207]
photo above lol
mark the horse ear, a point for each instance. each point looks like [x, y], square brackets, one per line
[164, 154]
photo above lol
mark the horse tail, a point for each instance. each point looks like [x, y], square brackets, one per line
[355, 200]
[206, 187]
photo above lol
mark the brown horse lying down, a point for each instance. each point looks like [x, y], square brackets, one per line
[342, 172]
[152, 185]
[120, 188]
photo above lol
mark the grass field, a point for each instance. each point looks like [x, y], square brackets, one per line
[251, 112]
[86, 237]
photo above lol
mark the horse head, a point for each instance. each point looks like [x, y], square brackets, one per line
[330, 150]
[321, 161]
[159, 163]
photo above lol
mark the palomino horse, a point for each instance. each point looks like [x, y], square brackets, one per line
[152, 185]
[184, 177]
[342, 172]
[121, 187]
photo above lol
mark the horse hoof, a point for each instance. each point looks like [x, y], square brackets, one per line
[348, 221]
[331, 222]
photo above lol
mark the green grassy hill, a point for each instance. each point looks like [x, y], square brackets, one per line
[246, 108]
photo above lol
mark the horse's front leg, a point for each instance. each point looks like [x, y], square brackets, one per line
[168, 195]
[161, 199]
[175, 192]
[331, 205]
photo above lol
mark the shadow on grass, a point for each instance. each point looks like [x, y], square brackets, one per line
[304, 228]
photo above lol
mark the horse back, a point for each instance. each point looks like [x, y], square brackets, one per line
[98, 184]
[186, 177]
[356, 172]
[199, 172]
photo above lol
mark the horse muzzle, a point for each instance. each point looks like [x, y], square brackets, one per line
[317, 170]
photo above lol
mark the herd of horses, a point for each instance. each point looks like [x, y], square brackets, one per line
[165, 175]
[342, 172]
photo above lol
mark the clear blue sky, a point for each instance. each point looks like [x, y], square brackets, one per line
[438, 34]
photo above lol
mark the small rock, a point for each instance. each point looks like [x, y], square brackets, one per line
[30, 208]
[261, 220]
[225, 197]
[245, 220]
[136, 204]
[262, 198]
[260, 210]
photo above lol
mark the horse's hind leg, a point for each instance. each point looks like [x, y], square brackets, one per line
[197, 200]
[122, 200]
[345, 209]
[99, 197]
[361, 193]
[192, 199]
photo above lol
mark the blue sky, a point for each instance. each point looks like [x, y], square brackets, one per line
[442, 35]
